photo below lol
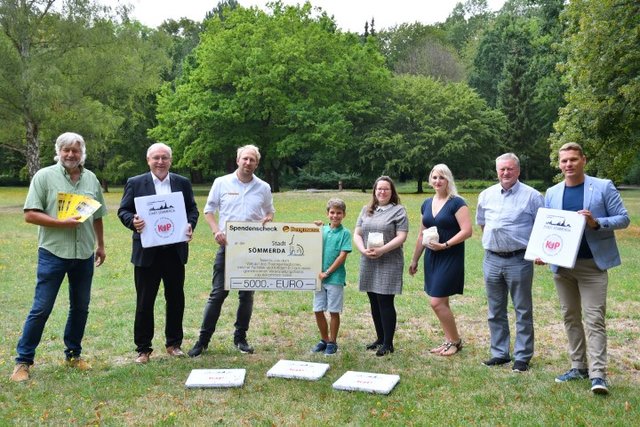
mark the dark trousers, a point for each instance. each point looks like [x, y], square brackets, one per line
[166, 267]
[383, 312]
[214, 305]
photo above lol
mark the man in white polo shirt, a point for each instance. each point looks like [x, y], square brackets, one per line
[238, 196]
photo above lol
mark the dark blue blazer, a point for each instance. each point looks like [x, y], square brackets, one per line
[142, 185]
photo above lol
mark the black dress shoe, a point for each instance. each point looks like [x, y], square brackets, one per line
[496, 361]
[244, 347]
[384, 350]
[197, 350]
[374, 345]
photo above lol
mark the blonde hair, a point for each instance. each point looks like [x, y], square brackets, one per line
[248, 147]
[444, 170]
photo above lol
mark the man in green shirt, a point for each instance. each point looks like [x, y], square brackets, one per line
[65, 248]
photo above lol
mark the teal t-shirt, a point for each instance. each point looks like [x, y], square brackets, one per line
[334, 241]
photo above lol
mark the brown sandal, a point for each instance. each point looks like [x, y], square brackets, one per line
[451, 348]
[439, 348]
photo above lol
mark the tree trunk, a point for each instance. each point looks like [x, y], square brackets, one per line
[420, 178]
[33, 148]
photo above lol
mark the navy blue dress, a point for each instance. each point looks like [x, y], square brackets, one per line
[444, 270]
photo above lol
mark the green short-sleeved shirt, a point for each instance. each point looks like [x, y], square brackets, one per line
[68, 243]
[334, 241]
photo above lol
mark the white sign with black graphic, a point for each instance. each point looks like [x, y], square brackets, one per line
[555, 237]
[165, 219]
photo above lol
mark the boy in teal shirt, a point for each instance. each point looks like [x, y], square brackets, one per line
[336, 244]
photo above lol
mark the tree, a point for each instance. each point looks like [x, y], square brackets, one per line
[421, 50]
[603, 74]
[514, 70]
[428, 122]
[73, 69]
[287, 81]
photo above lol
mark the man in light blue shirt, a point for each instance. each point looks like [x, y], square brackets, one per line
[506, 213]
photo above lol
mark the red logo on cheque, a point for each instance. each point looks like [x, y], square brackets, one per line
[552, 244]
[164, 227]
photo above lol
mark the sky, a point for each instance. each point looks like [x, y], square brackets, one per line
[350, 15]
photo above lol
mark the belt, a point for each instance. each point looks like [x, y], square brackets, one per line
[508, 254]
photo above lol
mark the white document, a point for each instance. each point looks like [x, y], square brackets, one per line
[555, 237]
[366, 381]
[165, 219]
[298, 370]
[200, 378]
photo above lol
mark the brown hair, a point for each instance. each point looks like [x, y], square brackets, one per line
[572, 146]
[395, 199]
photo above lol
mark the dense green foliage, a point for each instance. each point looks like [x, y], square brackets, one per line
[322, 104]
[602, 42]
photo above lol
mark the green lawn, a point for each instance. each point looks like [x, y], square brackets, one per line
[432, 390]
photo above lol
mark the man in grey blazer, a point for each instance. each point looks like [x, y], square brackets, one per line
[582, 291]
[160, 263]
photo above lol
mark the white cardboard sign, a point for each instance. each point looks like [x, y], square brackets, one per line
[298, 370]
[165, 219]
[221, 378]
[366, 381]
[555, 237]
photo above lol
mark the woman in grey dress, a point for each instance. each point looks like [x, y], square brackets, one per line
[382, 262]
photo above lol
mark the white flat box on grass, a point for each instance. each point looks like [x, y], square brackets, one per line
[298, 370]
[366, 381]
[216, 378]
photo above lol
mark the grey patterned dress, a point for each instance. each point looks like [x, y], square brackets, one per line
[383, 275]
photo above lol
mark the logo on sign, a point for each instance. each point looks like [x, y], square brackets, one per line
[164, 227]
[552, 244]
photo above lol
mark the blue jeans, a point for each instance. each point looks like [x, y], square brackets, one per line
[504, 276]
[50, 274]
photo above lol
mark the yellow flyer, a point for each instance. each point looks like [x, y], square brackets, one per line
[71, 205]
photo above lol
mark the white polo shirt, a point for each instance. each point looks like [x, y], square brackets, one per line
[235, 200]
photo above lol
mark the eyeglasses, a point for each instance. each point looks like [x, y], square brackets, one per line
[160, 158]
[383, 190]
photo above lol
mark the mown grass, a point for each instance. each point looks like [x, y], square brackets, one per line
[432, 390]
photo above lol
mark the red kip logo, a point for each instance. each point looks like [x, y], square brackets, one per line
[552, 244]
[164, 227]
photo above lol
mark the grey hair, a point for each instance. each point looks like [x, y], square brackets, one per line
[249, 147]
[70, 138]
[443, 169]
[508, 156]
[337, 203]
[152, 147]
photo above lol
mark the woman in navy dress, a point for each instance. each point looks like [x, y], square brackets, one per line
[444, 259]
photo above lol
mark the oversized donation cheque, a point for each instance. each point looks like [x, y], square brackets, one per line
[555, 237]
[165, 219]
[275, 256]
[76, 205]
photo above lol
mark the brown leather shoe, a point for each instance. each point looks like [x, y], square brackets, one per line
[20, 372]
[175, 351]
[142, 357]
[78, 363]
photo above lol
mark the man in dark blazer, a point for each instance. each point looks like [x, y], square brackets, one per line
[157, 263]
